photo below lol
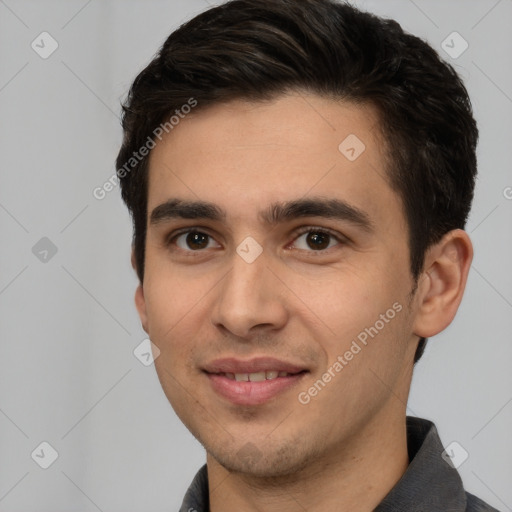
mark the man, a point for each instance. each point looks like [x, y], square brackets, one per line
[299, 174]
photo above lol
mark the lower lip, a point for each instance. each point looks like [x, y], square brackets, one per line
[252, 393]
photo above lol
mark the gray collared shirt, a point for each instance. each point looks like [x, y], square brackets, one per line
[429, 484]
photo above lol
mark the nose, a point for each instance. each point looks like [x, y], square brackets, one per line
[250, 299]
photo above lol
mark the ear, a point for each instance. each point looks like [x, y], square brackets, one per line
[140, 301]
[442, 283]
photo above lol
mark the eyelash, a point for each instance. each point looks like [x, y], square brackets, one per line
[170, 240]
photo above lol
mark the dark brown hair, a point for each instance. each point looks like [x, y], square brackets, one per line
[257, 50]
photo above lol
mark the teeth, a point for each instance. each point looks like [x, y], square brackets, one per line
[256, 376]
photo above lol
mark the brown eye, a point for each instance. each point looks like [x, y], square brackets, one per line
[197, 240]
[316, 240]
[193, 240]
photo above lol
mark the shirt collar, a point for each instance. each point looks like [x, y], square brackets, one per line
[429, 482]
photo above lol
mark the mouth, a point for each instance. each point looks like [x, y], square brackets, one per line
[252, 382]
[257, 376]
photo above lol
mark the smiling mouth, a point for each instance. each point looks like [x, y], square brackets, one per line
[253, 389]
[254, 381]
[257, 376]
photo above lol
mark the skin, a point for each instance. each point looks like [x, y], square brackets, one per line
[346, 448]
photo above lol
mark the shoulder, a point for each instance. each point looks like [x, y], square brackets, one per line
[474, 504]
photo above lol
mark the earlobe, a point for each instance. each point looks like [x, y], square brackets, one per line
[443, 282]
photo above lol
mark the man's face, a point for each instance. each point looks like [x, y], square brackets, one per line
[307, 289]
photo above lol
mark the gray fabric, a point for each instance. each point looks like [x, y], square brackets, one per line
[428, 485]
[197, 499]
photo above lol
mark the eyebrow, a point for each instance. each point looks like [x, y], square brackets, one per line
[276, 213]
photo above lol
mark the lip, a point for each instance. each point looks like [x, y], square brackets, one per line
[257, 364]
[252, 393]
[247, 392]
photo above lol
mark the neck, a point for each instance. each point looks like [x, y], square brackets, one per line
[354, 476]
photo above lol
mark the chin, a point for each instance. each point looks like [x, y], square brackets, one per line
[262, 461]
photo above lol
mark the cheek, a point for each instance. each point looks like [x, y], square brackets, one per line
[176, 315]
[359, 316]
[342, 300]
[172, 299]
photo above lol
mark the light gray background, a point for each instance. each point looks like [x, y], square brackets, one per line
[68, 326]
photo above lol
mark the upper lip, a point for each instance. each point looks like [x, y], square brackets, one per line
[258, 364]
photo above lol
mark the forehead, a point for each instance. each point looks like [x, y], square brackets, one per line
[241, 154]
